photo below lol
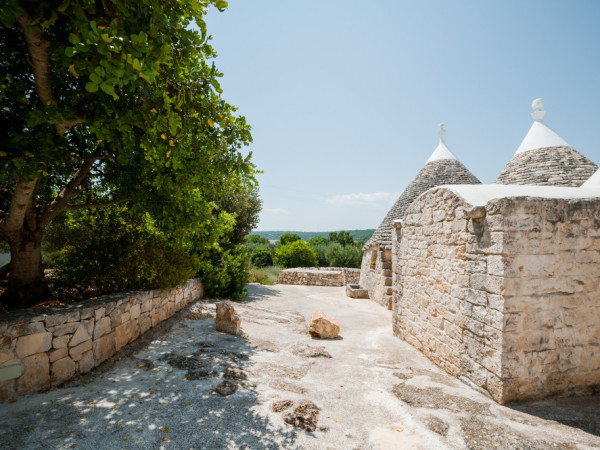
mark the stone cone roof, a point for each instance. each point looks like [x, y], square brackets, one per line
[434, 173]
[551, 166]
[546, 159]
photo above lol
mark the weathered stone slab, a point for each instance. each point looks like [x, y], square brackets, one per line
[227, 320]
[34, 343]
[322, 326]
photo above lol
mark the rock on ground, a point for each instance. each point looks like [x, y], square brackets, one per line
[322, 326]
[226, 320]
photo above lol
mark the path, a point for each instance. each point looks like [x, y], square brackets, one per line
[374, 392]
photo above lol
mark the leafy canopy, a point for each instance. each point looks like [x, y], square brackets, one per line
[129, 88]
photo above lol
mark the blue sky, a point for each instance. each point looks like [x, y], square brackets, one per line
[345, 97]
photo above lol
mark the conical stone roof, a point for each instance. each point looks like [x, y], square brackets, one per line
[546, 159]
[593, 181]
[442, 167]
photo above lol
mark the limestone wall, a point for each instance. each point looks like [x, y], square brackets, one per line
[324, 276]
[506, 295]
[44, 347]
[552, 296]
[376, 274]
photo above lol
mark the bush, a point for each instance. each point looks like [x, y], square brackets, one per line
[261, 257]
[225, 273]
[320, 250]
[296, 254]
[265, 275]
[287, 238]
[110, 251]
[339, 256]
[318, 241]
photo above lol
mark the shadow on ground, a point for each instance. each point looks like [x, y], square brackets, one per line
[580, 412]
[258, 292]
[160, 392]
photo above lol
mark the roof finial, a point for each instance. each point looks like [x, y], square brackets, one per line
[537, 106]
[442, 133]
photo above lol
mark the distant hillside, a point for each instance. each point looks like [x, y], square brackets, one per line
[358, 235]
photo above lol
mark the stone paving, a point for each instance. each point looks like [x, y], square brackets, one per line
[187, 386]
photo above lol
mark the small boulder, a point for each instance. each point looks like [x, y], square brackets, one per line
[322, 326]
[226, 320]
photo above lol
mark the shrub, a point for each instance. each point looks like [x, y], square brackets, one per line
[318, 241]
[112, 250]
[225, 273]
[265, 275]
[320, 250]
[339, 256]
[287, 238]
[261, 257]
[296, 254]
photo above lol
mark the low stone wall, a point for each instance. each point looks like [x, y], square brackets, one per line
[44, 347]
[324, 276]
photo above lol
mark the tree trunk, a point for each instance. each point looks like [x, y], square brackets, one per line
[26, 282]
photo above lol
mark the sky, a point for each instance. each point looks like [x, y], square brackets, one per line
[345, 97]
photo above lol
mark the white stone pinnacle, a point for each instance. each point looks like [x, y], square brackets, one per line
[540, 135]
[441, 151]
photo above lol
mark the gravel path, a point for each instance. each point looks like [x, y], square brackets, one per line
[187, 386]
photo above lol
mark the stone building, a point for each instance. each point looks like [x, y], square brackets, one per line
[499, 285]
[442, 167]
[545, 159]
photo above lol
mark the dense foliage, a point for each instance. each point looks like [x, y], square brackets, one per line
[287, 238]
[339, 256]
[112, 250]
[117, 102]
[358, 235]
[261, 257]
[295, 254]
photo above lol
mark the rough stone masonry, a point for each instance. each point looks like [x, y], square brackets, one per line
[506, 295]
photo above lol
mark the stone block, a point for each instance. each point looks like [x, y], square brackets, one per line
[62, 370]
[61, 341]
[86, 363]
[124, 334]
[99, 313]
[34, 343]
[55, 319]
[83, 333]
[67, 328]
[104, 347]
[61, 353]
[36, 374]
[7, 389]
[102, 327]
[87, 313]
[23, 329]
[145, 324]
[6, 355]
[77, 352]
[135, 312]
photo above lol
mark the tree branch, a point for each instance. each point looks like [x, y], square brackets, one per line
[97, 205]
[19, 203]
[39, 49]
[59, 204]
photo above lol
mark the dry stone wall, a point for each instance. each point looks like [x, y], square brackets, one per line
[44, 347]
[324, 276]
[376, 274]
[506, 295]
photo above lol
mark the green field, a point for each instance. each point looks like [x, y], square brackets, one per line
[358, 235]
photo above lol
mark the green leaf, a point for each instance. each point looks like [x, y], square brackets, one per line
[91, 87]
[105, 37]
[221, 4]
[107, 88]
[70, 51]
[63, 7]
[136, 64]
[95, 78]
[53, 18]
[100, 71]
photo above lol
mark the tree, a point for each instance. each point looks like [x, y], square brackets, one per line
[261, 257]
[257, 239]
[287, 238]
[296, 254]
[104, 103]
[318, 241]
[341, 237]
[340, 256]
